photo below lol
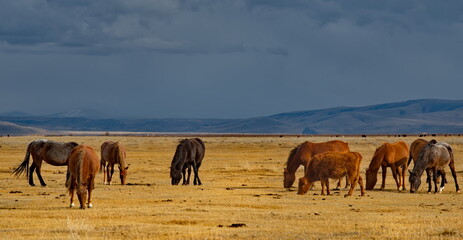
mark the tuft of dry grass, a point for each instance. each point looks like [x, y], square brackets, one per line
[242, 197]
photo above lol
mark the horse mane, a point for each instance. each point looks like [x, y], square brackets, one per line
[292, 153]
[120, 154]
[377, 156]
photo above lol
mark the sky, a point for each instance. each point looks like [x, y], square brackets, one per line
[227, 58]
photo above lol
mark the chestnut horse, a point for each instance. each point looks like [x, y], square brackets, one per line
[433, 158]
[333, 165]
[54, 153]
[113, 153]
[393, 155]
[82, 169]
[302, 154]
[189, 152]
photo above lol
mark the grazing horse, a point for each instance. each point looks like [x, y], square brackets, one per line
[393, 155]
[190, 152]
[415, 149]
[434, 157]
[333, 165]
[302, 154]
[113, 153]
[82, 169]
[54, 153]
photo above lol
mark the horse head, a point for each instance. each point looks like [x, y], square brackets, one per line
[123, 174]
[288, 179]
[415, 181]
[371, 179]
[176, 176]
[303, 186]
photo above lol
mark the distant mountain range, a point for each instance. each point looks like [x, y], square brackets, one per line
[409, 117]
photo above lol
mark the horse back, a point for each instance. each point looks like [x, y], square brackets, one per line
[83, 163]
[334, 164]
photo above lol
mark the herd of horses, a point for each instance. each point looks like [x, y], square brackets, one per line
[321, 161]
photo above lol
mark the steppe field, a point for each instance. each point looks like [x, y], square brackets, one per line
[242, 196]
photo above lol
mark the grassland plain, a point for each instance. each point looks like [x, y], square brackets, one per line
[242, 197]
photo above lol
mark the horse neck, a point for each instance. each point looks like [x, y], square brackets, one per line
[179, 158]
[422, 162]
[377, 160]
[120, 155]
[294, 160]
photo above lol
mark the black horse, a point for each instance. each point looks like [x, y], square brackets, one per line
[189, 153]
[54, 153]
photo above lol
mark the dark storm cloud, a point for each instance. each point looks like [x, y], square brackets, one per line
[233, 58]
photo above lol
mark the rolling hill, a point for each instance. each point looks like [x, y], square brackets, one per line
[414, 116]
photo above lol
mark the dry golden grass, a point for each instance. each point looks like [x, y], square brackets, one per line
[242, 179]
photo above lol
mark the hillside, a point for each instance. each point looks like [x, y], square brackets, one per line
[415, 116]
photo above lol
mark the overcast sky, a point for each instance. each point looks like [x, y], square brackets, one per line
[226, 59]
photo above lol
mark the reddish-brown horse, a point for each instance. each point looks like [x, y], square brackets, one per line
[54, 153]
[302, 154]
[335, 165]
[393, 155]
[113, 153]
[82, 169]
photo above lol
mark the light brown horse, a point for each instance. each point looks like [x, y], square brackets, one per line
[302, 154]
[53, 153]
[393, 155]
[113, 153]
[335, 165]
[82, 169]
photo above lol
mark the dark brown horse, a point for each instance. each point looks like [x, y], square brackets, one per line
[393, 155]
[335, 165]
[189, 153]
[113, 153]
[82, 169]
[302, 154]
[54, 153]
[433, 158]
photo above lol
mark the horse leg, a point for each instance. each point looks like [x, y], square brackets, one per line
[362, 189]
[428, 173]
[454, 175]
[383, 184]
[90, 187]
[327, 184]
[39, 174]
[184, 176]
[110, 173]
[103, 166]
[434, 176]
[347, 183]
[72, 189]
[323, 186]
[396, 178]
[442, 184]
[404, 172]
[353, 181]
[31, 173]
[195, 169]
[338, 186]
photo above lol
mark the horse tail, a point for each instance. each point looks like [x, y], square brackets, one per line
[24, 166]
[80, 160]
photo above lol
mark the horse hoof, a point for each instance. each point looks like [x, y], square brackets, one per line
[458, 191]
[71, 205]
[90, 205]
